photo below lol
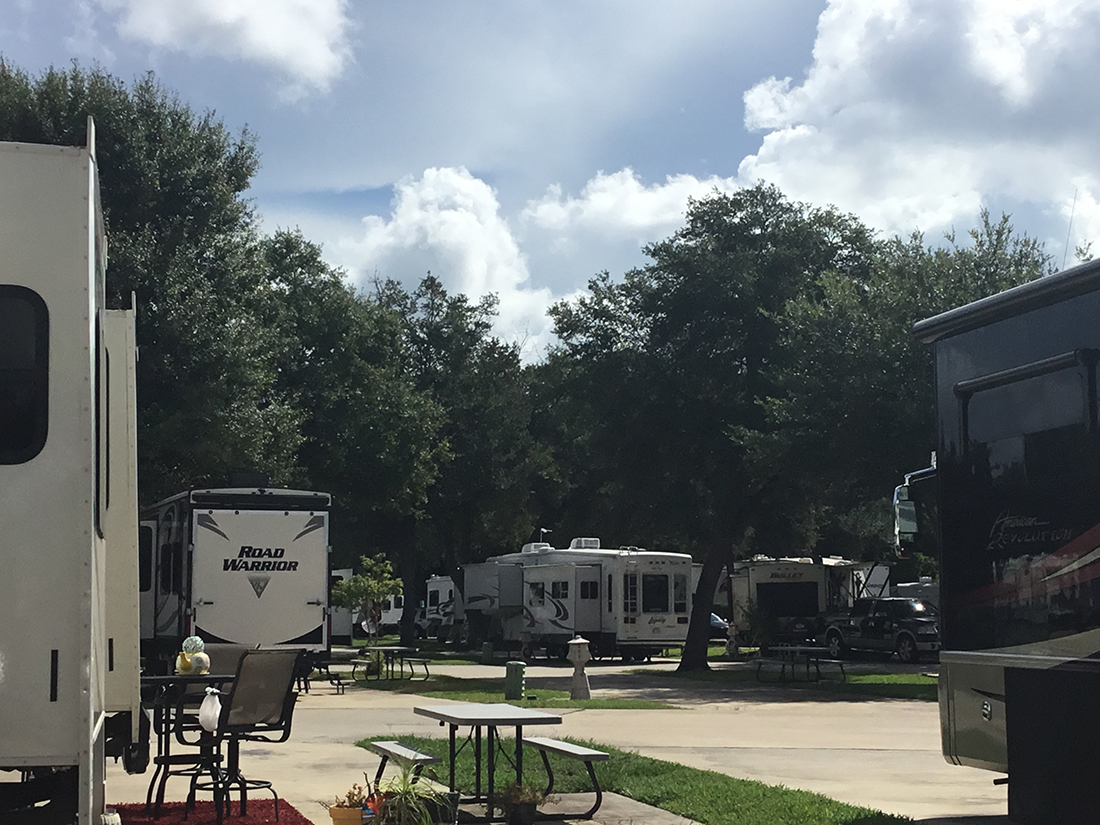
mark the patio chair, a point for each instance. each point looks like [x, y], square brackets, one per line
[258, 708]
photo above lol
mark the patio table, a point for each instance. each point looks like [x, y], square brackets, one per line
[489, 716]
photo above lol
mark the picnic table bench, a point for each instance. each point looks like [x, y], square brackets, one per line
[546, 745]
[403, 754]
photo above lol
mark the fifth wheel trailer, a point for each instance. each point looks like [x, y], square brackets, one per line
[627, 601]
[238, 565]
[67, 491]
[1018, 482]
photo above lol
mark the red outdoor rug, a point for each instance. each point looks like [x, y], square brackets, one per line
[260, 812]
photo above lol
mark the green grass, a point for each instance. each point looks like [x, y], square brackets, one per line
[492, 690]
[706, 796]
[915, 686]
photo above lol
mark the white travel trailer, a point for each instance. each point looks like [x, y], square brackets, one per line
[237, 565]
[625, 601]
[67, 647]
[437, 615]
[784, 599]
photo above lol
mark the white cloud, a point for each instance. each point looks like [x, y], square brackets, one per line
[448, 221]
[305, 39]
[916, 113]
[620, 203]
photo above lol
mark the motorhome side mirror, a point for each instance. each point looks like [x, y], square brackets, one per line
[906, 514]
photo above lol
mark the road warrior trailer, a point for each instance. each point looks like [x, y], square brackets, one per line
[68, 502]
[628, 601]
[237, 565]
[1018, 476]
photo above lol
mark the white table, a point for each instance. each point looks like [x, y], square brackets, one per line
[490, 717]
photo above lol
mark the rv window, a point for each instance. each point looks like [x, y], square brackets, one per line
[610, 599]
[386, 605]
[559, 590]
[538, 593]
[24, 374]
[680, 593]
[145, 558]
[398, 601]
[433, 598]
[630, 593]
[590, 590]
[654, 593]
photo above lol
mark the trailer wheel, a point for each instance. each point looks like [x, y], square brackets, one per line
[907, 649]
[835, 645]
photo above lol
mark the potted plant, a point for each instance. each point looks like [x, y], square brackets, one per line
[520, 803]
[407, 800]
[357, 805]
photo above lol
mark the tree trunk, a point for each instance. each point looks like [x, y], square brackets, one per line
[698, 640]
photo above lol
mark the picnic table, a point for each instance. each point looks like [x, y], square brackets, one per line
[490, 717]
[794, 656]
[391, 658]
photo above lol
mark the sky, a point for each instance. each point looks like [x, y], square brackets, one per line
[520, 147]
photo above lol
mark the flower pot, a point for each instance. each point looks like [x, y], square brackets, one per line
[346, 816]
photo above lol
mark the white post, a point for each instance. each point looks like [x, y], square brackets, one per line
[579, 656]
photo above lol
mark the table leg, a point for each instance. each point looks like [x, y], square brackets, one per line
[519, 754]
[477, 762]
[452, 738]
[493, 737]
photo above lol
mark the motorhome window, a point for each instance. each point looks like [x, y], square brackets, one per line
[590, 590]
[630, 593]
[177, 567]
[386, 605]
[559, 590]
[654, 593]
[610, 599]
[1032, 405]
[24, 374]
[679, 593]
[398, 601]
[433, 598]
[145, 558]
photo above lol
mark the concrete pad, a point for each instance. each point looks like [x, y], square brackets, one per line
[879, 754]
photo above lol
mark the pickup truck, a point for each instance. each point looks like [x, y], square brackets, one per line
[908, 627]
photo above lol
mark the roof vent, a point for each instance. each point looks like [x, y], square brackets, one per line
[584, 544]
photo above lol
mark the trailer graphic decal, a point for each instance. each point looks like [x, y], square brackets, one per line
[315, 523]
[259, 584]
[206, 520]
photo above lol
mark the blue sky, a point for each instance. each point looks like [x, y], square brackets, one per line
[521, 147]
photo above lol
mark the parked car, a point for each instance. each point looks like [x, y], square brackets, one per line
[719, 627]
[908, 627]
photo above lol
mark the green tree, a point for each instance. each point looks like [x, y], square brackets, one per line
[369, 435]
[364, 592]
[852, 402]
[673, 360]
[481, 502]
[182, 237]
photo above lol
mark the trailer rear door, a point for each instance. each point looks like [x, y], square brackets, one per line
[261, 576]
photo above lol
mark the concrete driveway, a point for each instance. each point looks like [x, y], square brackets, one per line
[882, 754]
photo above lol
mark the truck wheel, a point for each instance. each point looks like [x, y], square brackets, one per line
[835, 645]
[907, 650]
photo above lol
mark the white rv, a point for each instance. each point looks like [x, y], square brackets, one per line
[238, 565]
[786, 599]
[436, 615]
[625, 601]
[68, 651]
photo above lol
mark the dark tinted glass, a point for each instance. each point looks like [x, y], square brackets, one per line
[24, 361]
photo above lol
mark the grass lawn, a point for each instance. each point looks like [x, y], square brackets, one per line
[492, 690]
[863, 685]
[705, 796]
